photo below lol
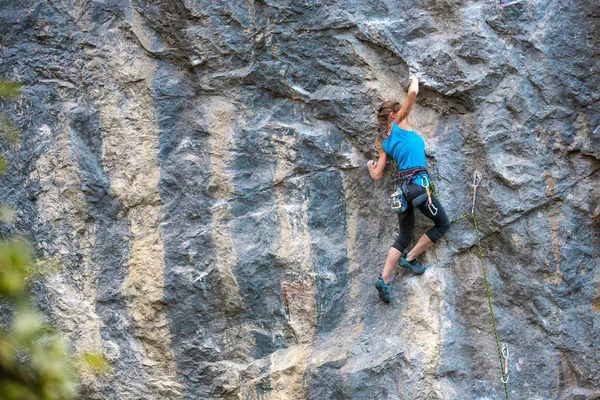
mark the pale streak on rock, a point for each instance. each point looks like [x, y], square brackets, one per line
[286, 373]
[298, 296]
[139, 31]
[550, 186]
[424, 308]
[62, 204]
[554, 217]
[130, 154]
[286, 155]
[220, 119]
[351, 235]
[596, 301]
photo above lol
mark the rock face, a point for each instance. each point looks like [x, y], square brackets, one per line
[199, 168]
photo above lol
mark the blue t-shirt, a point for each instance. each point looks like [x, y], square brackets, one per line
[406, 147]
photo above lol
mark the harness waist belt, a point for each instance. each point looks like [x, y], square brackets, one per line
[408, 174]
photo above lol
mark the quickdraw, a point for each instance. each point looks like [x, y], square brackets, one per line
[476, 181]
[429, 204]
[505, 355]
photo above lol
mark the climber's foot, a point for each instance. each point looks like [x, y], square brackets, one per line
[413, 265]
[383, 289]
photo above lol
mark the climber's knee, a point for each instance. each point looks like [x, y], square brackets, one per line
[443, 227]
[436, 233]
[402, 242]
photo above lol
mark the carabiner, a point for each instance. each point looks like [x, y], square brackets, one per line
[505, 355]
[426, 180]
[476, 178]
[429, 203]
[432, 208]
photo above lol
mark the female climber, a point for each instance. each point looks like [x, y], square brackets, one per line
[408, 150]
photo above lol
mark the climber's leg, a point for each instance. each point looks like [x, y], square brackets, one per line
[406, 224]
[423, 244]
[442, 223]
[390, 262]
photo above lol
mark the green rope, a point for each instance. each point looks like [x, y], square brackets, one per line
[459, 218]
[489, 296]
[487, 287]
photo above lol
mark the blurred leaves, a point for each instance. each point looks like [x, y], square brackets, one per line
[3, 165]
[8, 131]
[34, 360]
[9, 89]
[7, 214]
[35, 363]
[15, 259]
[96, 362]
[42, 267]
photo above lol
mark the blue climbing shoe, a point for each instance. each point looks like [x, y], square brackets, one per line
[413, 265]
[383, 289]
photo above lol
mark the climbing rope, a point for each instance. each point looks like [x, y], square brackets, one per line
[504, 352]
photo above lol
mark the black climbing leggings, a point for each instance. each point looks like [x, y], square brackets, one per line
[406, 220]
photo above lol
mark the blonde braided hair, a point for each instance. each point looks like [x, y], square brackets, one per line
[383, 118]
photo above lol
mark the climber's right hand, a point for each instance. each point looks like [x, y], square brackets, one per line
[376, 167]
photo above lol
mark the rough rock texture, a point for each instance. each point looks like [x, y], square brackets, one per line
[199, 169]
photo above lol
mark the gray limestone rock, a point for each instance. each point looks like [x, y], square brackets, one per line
[199, 168]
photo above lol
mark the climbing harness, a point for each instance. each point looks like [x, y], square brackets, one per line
[399, 203]
[505, 355]
[407, 175]
[502, 354]
[403, 178]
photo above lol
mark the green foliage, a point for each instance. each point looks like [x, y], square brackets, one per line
[35, 363]
[3, 165]
[7, 214]
[34, 359]
[96, 362]
[15, 258]
[9, 89]
[8, 131]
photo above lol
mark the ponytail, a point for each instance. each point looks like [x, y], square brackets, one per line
[383, 118]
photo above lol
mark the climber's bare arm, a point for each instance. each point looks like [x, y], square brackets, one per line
[376, 167]
[413, 90]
